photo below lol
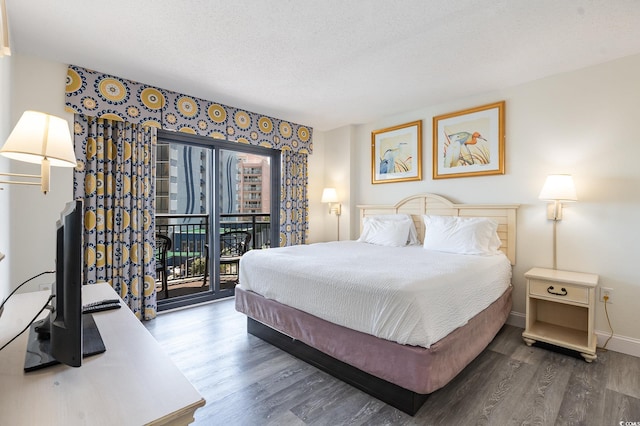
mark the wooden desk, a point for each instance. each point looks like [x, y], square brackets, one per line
[133, 383]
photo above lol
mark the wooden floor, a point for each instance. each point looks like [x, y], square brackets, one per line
[246, 381]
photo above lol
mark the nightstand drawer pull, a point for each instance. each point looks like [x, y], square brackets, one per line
[567, 292]
[563, 291]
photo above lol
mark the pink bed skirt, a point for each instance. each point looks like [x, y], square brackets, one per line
[415, 368]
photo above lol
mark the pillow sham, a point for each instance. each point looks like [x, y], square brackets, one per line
[385, 233]
[412, 238]
[462, 235]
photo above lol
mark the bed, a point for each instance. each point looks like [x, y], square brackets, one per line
[390, 339]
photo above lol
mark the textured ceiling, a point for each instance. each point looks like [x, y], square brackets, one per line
[327, 63]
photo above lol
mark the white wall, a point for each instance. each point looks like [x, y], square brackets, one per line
[5, 123]
[582, 123]
[316, 168]
[330, 167]
[35, 85]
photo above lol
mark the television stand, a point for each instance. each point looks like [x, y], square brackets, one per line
[38, 353]
[148, 387]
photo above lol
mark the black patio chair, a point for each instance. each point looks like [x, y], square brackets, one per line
[233, 245]
[163, 245]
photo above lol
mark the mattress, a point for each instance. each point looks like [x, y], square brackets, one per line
[407, 295]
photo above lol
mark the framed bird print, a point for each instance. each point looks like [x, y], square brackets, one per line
[396, 153]
[469, 142]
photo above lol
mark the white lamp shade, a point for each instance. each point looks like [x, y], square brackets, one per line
[559, 187]
[329, 195]
[38, 135]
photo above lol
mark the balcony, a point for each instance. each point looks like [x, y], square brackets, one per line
[186, 260]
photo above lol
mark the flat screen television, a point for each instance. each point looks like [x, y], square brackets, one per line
[65, 335]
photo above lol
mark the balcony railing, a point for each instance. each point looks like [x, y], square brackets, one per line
[189, 234]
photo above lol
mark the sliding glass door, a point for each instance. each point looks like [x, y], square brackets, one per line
[244, 209]
[215, 200]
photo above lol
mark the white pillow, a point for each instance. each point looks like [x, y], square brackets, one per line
[412, 237]
[462, 235]
[495, 243]
[385, 233]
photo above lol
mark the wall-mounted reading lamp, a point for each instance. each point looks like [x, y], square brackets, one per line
[39, 138]
[559, 189]
[329, 195]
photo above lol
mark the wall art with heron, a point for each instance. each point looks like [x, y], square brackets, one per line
[396, 153]
[469, 142]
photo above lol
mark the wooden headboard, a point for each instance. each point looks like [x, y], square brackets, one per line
[418, 205]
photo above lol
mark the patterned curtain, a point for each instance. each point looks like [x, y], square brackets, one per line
[95, 94]
[102, 95]
[294, 203]
[116, 180]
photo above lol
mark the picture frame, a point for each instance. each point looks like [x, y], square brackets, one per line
[469, 142]
[396, 153]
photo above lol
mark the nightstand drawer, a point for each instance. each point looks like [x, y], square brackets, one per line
[560, 291]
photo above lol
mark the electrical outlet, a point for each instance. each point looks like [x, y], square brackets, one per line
[606, 291]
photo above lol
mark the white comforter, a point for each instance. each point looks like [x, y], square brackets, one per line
[405, 294]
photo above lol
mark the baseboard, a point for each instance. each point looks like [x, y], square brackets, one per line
[622, 344]
[517, 319]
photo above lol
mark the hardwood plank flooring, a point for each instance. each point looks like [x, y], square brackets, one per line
[246, 381]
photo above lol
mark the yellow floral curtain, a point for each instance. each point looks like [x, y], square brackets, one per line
[115, 135]
[116, 181]
[102, 95]
[294, 201]
[95, 94]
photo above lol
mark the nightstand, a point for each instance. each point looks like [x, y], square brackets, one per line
[561, 310]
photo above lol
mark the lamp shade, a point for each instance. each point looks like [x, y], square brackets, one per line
[329, 195]
[37, 136]
[559, 187]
